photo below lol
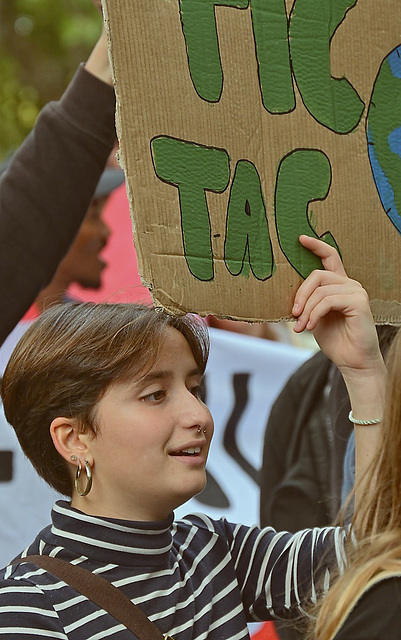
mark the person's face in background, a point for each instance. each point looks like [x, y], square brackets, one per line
[83, 263]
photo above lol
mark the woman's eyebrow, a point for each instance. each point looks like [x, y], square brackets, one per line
[166, 373]
[155, 375]
[195, 372]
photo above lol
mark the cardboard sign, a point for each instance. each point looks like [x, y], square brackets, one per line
[244, 123]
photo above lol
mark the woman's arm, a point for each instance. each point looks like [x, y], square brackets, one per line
[336, 308]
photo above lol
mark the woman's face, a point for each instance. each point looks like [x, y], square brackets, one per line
[148, 456]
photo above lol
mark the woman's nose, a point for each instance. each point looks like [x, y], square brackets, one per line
[196, 414]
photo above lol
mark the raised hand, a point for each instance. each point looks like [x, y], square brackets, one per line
[98, 5]
[336, 308]
[98, 61]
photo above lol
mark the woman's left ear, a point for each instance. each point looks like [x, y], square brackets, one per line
[69, 442]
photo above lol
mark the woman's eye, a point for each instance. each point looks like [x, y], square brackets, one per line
[196, 391]
[155, 396]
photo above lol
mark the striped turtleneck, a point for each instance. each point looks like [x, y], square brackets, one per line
[195, 578]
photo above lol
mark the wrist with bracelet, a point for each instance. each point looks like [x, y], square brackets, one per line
[364, 423]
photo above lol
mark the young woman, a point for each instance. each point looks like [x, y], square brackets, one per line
[110, 394]
[366, 601]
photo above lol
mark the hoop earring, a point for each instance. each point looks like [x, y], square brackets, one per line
[88, 472]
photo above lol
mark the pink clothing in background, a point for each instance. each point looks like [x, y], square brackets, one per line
[121, 280]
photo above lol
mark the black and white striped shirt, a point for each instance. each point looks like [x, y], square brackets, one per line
[195, 578]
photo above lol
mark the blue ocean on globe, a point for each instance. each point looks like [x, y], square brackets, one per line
[385, 187]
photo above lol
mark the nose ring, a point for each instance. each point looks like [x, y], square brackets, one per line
[200, 430]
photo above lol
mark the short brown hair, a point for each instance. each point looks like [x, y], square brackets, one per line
[69, 357]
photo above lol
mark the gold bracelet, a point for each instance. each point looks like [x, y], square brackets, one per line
[364, 423]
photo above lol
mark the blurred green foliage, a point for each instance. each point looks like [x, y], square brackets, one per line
[41, 44]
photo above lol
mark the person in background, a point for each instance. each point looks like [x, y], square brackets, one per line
[46, 191]
[25, 500]
[83, 263]
[48, 186]
[365, 602]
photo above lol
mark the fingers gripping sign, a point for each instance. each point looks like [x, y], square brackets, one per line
[336, 308]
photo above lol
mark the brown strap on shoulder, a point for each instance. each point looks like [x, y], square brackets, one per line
[101, 592]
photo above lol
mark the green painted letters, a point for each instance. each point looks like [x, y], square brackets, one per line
[247, 232]
[270, 26]
[200, 33]
[331, 101]
[303, 176]
[194, 169]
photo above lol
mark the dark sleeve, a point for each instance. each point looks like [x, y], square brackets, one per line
[293, 483]
[47, 189]
[377, 615]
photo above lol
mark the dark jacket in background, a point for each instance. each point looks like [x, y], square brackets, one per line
[47, 188]
[304, 446]
[305, 441]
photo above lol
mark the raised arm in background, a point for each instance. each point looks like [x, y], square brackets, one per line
[46, 190]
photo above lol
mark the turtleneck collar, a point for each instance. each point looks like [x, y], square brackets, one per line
[110, 540]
